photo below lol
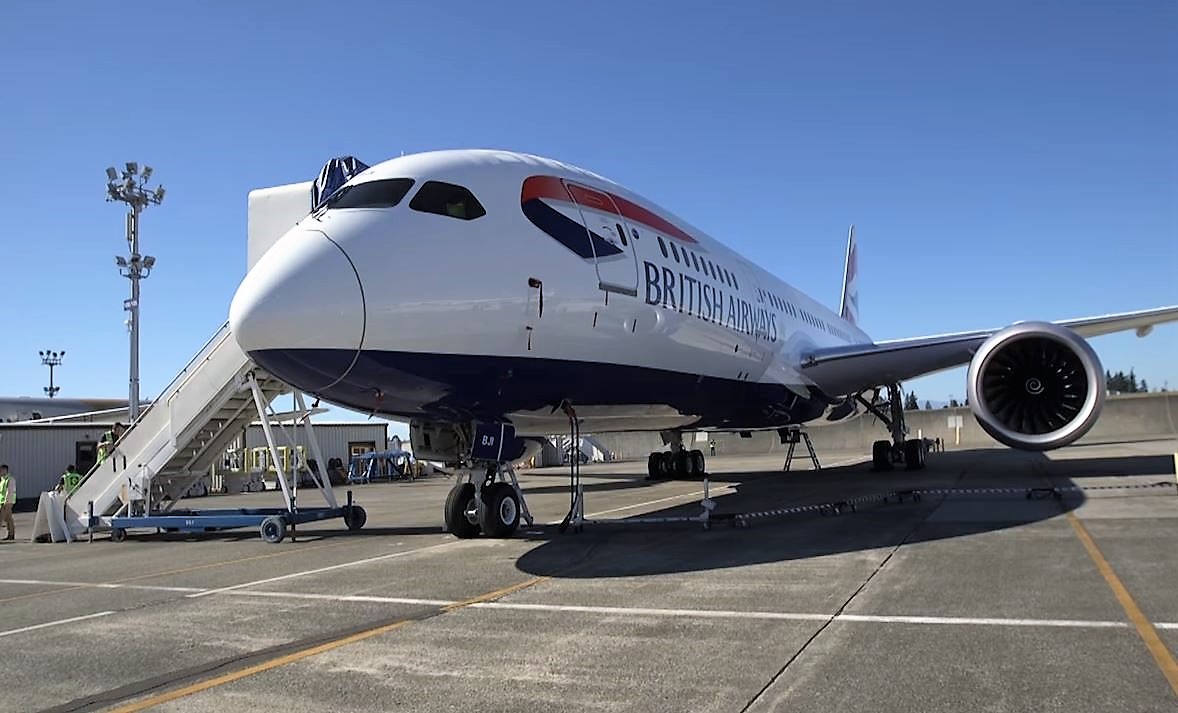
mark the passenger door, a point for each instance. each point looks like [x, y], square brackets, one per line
[617, 265]
[85, 455]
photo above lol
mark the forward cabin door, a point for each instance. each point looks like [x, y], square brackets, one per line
[613, 248]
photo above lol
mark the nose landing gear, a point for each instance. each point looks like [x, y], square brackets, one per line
[492, 506]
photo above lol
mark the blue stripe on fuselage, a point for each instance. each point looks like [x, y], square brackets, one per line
[567, 231]
[459, 387]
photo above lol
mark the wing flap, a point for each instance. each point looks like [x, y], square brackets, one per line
[845, 370]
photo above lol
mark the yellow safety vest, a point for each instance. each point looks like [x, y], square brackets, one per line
[4, 480]
[71, 481]
[104, 445]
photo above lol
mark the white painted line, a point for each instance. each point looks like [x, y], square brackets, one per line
[59, 622]
[331, 568]
[238, 591]
[638, 611]
[699, 494]
[363, 598]
[982, 621]
[849, 461]
[715, 613]
[102, 585]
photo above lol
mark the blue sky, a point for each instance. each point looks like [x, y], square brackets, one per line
[1002, 160]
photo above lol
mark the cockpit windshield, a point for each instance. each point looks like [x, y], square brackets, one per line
[447, 199]
[384, 193]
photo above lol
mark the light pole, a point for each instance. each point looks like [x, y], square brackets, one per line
[51, 359]
[131, 188]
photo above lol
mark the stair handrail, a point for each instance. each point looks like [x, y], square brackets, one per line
[184, 374]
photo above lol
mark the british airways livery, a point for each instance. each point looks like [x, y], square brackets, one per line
[553, 292]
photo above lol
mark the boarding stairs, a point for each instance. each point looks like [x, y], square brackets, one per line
[588, 447]
[174, 442]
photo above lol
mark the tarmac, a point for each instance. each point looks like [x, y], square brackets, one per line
[987, 600]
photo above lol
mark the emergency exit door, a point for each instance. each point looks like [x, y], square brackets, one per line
[607, 230]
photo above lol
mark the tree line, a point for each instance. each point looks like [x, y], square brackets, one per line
[1118, 383]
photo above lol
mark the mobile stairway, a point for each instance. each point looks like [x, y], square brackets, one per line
[175, 441]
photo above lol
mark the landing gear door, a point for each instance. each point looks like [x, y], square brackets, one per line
[613, 252]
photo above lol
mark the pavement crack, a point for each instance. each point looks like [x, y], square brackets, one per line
[842, 608]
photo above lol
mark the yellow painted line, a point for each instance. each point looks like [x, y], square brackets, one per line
[497, 594]
[1147, 632]
[312, 651]
[259, 668]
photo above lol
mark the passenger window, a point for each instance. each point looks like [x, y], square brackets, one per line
[663, 246]
[621, 232]
[371, 194]
[447, 199]
[715, 275]
[675, 252]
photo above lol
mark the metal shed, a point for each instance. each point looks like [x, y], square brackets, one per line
[38, 454]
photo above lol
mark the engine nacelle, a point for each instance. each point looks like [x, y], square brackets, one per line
[1036, 386]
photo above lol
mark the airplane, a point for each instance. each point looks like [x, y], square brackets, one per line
[556, 298]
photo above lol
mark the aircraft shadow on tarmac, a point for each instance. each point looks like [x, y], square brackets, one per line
[645, 549]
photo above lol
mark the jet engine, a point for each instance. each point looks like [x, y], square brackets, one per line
[1035, 386]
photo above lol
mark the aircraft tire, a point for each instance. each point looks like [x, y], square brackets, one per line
[501, 511]
[913, 454]
[682, 464]
[881, 456]
[666, 464]
[460, 498]
[698, 457]
[654, 466]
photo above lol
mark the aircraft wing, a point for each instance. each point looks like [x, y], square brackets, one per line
[850, 369]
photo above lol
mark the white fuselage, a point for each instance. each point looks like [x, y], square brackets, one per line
[415, 314]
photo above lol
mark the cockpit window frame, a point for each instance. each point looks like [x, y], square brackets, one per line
[388, 195]
[416, 203]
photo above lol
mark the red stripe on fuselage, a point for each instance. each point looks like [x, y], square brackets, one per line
[638, 214]
[553, 188]
[543, 187]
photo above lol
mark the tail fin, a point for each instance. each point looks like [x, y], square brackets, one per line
[849, 304]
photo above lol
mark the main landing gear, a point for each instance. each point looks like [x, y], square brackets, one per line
[492, 505]
[885, 455]
[675, 463]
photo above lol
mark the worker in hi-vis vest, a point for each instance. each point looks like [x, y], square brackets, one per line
[70, 480]
[107, 442]
[7, 500]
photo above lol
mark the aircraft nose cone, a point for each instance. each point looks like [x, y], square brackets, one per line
[299, 313]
